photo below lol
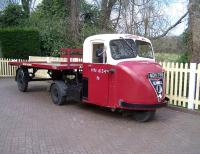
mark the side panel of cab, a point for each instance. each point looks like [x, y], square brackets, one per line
[96, 74]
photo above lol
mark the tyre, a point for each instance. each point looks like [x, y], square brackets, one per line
[144, 116]
[22, 79]
[58, 92]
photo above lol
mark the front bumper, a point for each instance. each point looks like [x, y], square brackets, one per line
[144, 106]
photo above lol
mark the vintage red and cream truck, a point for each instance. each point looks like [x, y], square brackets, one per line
[117, 71]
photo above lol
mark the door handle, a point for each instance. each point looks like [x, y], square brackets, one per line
[112, 70]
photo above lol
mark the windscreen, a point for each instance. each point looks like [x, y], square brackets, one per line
[127, 48]
[123, 48]
[144, 49]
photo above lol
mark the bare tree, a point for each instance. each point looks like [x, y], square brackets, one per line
[172, 26]
[105, 13]
[4, 3]
[146, 18]
[32, 5]
[118, 9]
[13, 1]
[26, 6]
[143, 17]
[194, 30]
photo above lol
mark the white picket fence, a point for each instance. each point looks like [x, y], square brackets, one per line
[183, 84]
[182, 80]
[7, 70]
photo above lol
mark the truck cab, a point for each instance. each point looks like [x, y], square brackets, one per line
[120, 72]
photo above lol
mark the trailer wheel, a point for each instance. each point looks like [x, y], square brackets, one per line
[22, 79]
[144, 116]
[58, 92]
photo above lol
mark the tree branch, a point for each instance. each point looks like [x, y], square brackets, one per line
[171, 27]
[119, 14]
[144, 3]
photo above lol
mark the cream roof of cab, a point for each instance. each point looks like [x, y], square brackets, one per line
[105, 38]
[108, 37]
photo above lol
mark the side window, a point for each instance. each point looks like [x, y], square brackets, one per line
[98, 53]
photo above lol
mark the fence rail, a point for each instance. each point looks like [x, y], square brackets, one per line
[182, 80]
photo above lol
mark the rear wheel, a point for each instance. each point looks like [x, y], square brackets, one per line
[143, 116]
[58, 92]
[22, 79]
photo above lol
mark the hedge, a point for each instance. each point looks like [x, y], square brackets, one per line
[19, 43]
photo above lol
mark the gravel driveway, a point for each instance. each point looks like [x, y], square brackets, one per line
[31, 123]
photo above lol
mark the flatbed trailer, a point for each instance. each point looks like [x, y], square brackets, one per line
[110, 71]
[69, 64]
[45, 65]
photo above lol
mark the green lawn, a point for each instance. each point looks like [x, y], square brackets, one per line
[169, 57]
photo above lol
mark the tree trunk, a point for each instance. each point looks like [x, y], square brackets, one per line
[73, 6]
[194, 30]
[26, 6]
[75, 18]
[106, 8]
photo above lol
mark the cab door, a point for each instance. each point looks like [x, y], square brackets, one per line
[96, 77]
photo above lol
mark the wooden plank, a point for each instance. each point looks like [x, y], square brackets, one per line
[180, 83]
[172, 80]
[4, 68]
[1, 67]
[8, 68]
[176, 82]
[197, 102]
[191, 90]
[185, 83]
[167, 77]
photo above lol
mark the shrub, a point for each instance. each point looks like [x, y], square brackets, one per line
[184, 58]
[12, 15]
[19, 43]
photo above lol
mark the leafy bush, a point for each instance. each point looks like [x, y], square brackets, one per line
[173, 57]
[49, 18]
[12, 15]
[52, 19]
[169, 57]
[184, 58]
[19, 43]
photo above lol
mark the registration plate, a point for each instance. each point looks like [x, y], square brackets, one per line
[156, 75]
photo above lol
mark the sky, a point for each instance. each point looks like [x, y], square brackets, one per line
[174, 10]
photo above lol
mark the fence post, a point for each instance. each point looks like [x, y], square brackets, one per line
[191, 86]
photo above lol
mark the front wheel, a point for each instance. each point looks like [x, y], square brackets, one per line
[143, 116]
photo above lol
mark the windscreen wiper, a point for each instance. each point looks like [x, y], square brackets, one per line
[133, 50]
